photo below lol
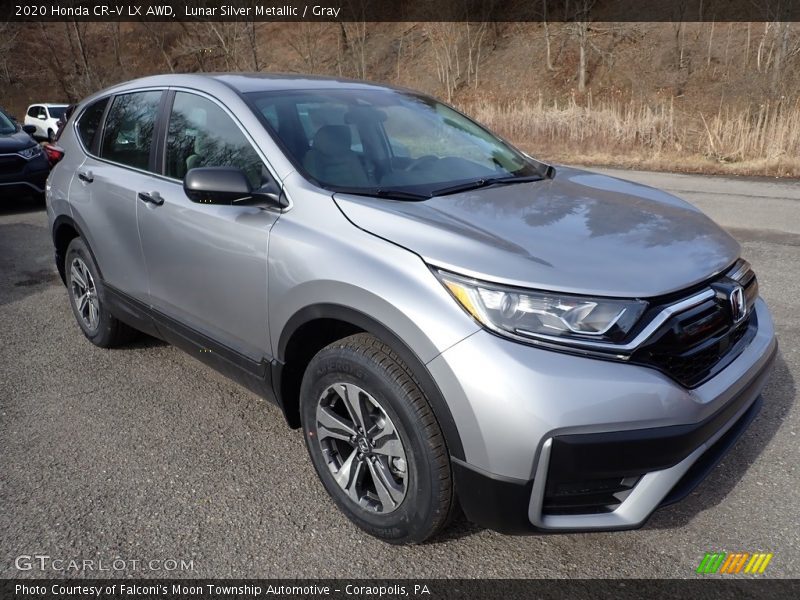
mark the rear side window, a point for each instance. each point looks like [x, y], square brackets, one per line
[33, 111]
[201, 134]
[89, 122]
[128, 132]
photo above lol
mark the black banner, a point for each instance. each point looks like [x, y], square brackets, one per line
[408, 10]
[434, 589]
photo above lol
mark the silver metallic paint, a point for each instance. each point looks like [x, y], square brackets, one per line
[580, 232]
[241, 273]
[507, 398]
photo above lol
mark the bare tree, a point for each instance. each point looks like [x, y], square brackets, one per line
[55, 65]
[8, 40]
[580, 30]
[458, 50]
[80, 39]
[230, 38]
[160, 36]
[679, 26]
[229, 46]
[354, 42]
[444, 38]
[253, 39]
[782, 47]
[307, 43]
[114, 33]
[546, 25]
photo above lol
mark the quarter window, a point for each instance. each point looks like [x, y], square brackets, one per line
[201, 134]
[128, 133]
[89, 122]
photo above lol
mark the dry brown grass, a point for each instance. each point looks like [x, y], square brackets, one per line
[760, 140]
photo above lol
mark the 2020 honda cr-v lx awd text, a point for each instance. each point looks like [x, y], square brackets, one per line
[449, 321]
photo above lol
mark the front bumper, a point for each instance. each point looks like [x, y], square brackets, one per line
[26, 177]
[549, 437]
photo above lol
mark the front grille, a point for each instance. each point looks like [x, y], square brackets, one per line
[586, 497]
[11, 163]
[694, 345]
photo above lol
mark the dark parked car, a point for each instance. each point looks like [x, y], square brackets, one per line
[23, 165]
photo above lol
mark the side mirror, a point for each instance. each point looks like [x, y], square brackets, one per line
[227, 186]
[29, 129]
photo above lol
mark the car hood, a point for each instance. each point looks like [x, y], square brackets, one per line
[578, 232]
[15, 142]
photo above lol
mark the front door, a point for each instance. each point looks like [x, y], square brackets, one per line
[207, 264]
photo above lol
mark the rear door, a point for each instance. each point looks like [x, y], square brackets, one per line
[119, 163]
[207, 264]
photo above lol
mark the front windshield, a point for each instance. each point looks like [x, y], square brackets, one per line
[56, 112]
[7, 126]
[367, 141]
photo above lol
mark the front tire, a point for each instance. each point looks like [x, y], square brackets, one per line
[375, 442]
[51, 136]
[86, 297]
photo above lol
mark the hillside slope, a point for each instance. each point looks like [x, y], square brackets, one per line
[714, 97]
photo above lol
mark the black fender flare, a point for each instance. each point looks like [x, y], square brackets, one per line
[69, 221]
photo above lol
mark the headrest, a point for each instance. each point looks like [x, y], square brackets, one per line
[332, 139]
[199, 146]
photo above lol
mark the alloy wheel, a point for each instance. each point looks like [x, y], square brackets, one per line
[362, 448]
[84, 294]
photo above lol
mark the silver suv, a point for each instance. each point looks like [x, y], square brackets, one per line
[450, 321]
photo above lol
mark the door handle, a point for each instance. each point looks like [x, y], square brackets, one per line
[151, 198]
[85, 176]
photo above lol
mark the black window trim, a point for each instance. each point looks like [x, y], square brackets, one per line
[98, 141]
[94, 151]
[160, 130]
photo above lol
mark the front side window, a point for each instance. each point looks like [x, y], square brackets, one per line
[372, 141]
[201, 134]
[89, 122]
[128, 133]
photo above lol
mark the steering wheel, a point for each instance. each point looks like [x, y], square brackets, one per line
[421, 162]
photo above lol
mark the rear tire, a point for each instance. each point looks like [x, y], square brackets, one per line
[375, 442]
[87, 299]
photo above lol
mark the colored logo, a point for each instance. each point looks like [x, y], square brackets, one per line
[734, 562]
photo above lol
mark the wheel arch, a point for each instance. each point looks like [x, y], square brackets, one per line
[65, 229]
[313, 327]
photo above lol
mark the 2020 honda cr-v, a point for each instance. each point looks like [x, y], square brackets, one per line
[447, 319]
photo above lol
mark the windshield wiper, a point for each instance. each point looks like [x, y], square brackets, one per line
[389, 193]
[400, 194]
[487, 181]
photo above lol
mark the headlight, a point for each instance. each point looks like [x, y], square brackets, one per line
[31, 152]
[522, 313]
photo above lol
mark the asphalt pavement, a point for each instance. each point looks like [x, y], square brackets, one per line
[143, 454]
